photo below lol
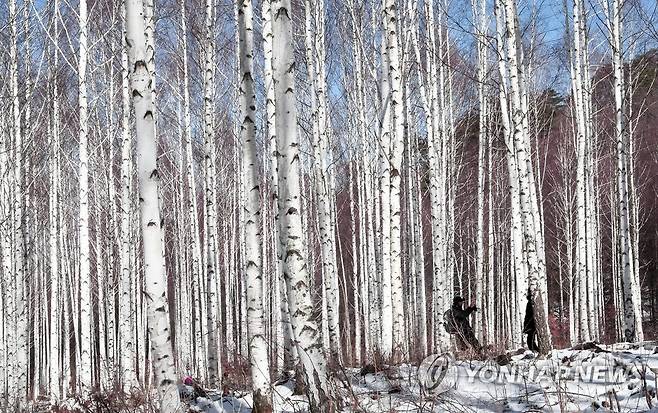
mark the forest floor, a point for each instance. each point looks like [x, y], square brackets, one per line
[587, 378]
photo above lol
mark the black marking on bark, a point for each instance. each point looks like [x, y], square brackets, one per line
[298, 313]
[154, 174]
[291, 211]
[136, 93]
[292, 252]
[148, 114]
[150, 224]
[160, 309]
[282, 10]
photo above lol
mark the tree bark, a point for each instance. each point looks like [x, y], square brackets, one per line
[295, 268]
[253, 242]
[151, 224]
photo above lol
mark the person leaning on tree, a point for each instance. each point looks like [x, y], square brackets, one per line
[457, 323]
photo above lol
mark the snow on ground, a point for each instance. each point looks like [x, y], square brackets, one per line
[615, 378]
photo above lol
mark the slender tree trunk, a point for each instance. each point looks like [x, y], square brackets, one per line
[83, 223]
[128, 375]
[286, 351]
[253, 271]
[396, 154]
[19, 313]
[630, 283]
[55, 331]
[214, 372]
[479, 18]
[315, 55]
[532, 243]
[384, 239]
[192, 208]
[295, 266]
[151, 224]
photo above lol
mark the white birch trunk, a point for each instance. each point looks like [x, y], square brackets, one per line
[214, 370]
[417, 201]
[192, 208]
[85, 345]
[109, 311]
[151, 225]
[396, 153]
[631, 292]
[314, 39]
[385, 301]
[296, 274]
[286, 351]
[479, 19]
[128, 375]
[586, 249]
[20, 351]
[253, 242]
[8, 315]
[442, 279]
[527, 198]
[55, 331]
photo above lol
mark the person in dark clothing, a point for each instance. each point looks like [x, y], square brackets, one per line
[458, 324]
[529, 326]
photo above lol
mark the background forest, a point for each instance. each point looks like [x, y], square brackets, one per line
[483, 149]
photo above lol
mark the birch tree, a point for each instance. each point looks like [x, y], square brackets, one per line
[128, 375]
[192, 208]
[315, 56]
[631, 294]
[442, 277]
[384, 219]
[83, 225]
[396, 154]
[14, 246]
[286, 351]
[586, 249]
[253, 241]
[211, 205]
[295, 268]
[480, 20]
[151, 224]
[523, 164]
[54, 337]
